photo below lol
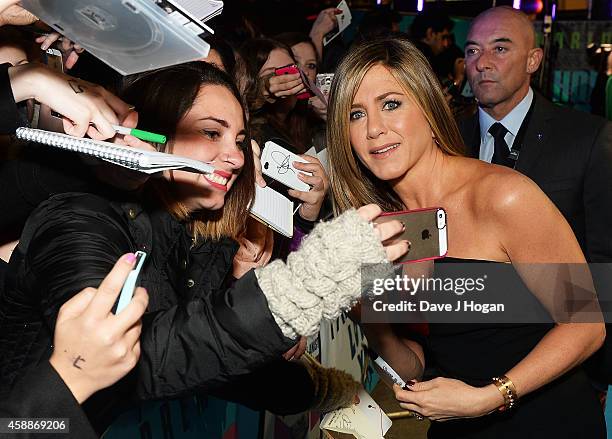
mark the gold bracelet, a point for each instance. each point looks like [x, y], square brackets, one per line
[508, 390]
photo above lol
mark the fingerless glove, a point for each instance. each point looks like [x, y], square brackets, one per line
[322, 278]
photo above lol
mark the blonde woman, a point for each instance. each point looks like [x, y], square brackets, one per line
[392, 141]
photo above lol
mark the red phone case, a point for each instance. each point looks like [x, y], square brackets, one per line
[292, 69]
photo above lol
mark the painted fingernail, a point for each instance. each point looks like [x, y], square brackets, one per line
[409, 384]
[130, 258]
[45, 46]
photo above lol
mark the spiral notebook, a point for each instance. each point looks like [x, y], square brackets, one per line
[148, 162]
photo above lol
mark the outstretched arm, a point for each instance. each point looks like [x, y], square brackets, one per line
[536, 248]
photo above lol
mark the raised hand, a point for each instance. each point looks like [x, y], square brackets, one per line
[319, 185]
[94, 348]
[87, 108]
[70, 50]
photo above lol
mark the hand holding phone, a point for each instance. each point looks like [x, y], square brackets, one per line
[343, 19]
[53, 58]
[48, 119]
[295, 87]
[277, 163]
[311, 88]
[426, 231]
[82, 330]
[385, 371]
[389, 376]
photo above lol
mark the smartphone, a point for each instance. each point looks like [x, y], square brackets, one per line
[324, 81]
[48, 119]
[127, 292]
[425, 230]
[292, 69]
[344, 20]
[277, 163]
[386, 372]
[389, 376]
[53, 58]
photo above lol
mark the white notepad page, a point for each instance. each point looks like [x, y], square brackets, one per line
[273, 209]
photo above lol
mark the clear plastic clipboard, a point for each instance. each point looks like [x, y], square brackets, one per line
[131, 36]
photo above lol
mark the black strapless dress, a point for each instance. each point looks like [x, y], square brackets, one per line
[474, 353]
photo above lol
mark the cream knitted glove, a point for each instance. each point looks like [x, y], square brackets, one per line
[322, 278]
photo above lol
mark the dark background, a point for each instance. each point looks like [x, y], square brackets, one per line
[291, 15]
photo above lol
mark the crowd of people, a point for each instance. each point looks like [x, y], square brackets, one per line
[226, 303]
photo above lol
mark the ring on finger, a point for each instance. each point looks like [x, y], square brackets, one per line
[416, 415]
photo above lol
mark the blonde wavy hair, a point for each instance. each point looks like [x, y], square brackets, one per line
[352, 184]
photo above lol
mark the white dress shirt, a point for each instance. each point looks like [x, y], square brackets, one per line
[512, 122]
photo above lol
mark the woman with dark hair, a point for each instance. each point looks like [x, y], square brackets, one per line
[272, 100]
[305, 55]
[303, 50]
[393, 142]
[221, 55]
[201, 331]
[277, 114]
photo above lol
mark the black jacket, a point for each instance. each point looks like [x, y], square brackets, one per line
[568, 154]
[8, 108]
[38, 174]
[199, 333]
[42, 394]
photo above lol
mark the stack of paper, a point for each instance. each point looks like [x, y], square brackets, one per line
[199, 11]
[202, 10]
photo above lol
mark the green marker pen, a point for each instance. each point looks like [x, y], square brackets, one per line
[140, 134]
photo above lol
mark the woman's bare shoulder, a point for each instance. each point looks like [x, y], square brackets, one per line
[495, 189]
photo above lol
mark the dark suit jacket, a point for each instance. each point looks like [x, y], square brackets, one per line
[568, 154]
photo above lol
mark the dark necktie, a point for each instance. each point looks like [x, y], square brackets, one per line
[500, 156]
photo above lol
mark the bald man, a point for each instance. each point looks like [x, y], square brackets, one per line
[567, 153]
